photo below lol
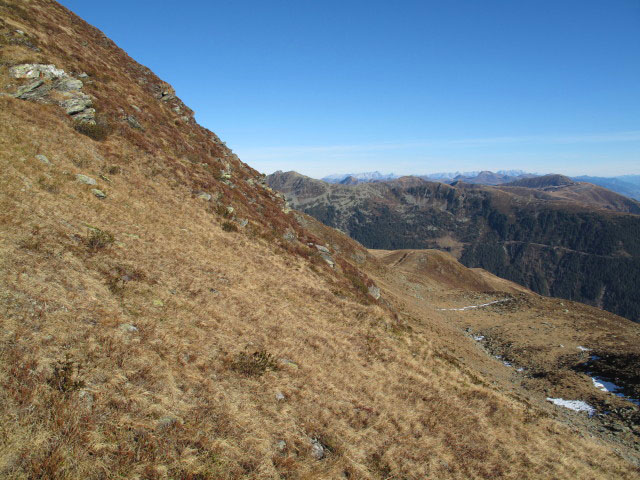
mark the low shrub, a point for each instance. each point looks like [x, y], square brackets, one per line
[229, 227]
[254, 364]
[97, 131]
[98, 239]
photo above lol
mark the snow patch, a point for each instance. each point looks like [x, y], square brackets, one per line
[611, 387]
[575, 405]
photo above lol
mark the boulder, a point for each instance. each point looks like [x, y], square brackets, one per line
[322, 248]
[99, 193]
[43, 159]
[86, 180]
[374, 292]
[317, 450]
[204, 196]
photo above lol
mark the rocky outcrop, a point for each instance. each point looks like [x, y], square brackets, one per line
[49, 84]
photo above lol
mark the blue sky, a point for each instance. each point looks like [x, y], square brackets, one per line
[405, 87]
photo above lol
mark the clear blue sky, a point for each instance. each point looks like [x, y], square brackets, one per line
[407, 86]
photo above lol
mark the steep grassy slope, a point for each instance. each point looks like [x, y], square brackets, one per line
[178, 324]
[545, 240]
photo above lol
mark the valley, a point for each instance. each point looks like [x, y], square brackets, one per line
[575, 242]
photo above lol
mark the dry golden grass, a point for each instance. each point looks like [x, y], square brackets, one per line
[136, 358]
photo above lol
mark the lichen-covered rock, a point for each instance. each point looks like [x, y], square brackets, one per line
[86, 180]
[68, 84]
[36, 70]
[374, 292]
[99, 193]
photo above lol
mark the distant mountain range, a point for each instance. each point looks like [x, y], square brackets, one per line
[627, 185]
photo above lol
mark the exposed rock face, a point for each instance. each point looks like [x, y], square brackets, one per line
[54, 85]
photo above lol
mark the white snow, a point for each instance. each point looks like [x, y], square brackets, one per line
[575, 405]
[478, 338]
[611, 387]
[604, 385]
[583, 349]
[475, 306]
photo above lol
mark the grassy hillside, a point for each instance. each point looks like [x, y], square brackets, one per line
[163, 315]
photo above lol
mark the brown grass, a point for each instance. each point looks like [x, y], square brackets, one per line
[119, 355]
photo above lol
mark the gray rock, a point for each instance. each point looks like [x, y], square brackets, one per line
[204, 196]
[290, 236]
[68, 84]
[136, 108]
[78, 103]
[288, 363]
[83, 75]
[230, 210]
[87, 115]
[243, 222]
[280, 396]
[133, 122]
[374, 292]
[35, 70]
[322, 248]
[99, 193]
[127, 327]
[86, 180]
[281, 445]
[329, 259]
[43, 159]
[32, 91]
[317, 450]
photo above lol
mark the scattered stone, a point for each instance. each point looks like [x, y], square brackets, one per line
[290, 236]
[289, 363]
[83, 75]
[317, 450]
[133, 122]
[230, 210]
[280, 396]
[136, 108]
[99, 193]
[281, 445]
[329, 259]
[166, 422]
[86, 396]
[374, 292]
[86, 180]
[127, 327]
[322, 248]
[43, 159]
[243, 223]
[204, 196]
